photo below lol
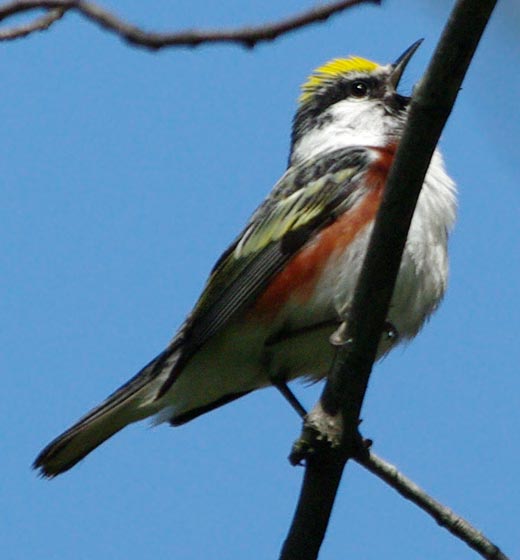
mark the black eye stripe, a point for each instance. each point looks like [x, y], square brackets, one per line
[343, 89]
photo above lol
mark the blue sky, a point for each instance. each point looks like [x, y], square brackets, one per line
[124, 175]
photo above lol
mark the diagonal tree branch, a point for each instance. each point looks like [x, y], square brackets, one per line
[247, 36]
[41, 23]
[339, 407]
[444, 516]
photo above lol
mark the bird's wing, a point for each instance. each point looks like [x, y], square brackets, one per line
[308, 197]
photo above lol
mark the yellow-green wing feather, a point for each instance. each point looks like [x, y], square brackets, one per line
[307, 198]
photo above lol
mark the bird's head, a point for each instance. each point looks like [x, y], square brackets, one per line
[349, 102]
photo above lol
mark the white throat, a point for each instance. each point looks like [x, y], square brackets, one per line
[347, 123]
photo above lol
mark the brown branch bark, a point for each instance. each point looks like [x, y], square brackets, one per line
[41, 23]
[339, 407]
[248, 36]
[444, 516]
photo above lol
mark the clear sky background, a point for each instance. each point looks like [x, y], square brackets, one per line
[125, 174]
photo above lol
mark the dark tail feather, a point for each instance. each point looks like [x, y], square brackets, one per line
[130, 403]
[183, 418]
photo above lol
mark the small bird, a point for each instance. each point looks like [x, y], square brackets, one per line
[278, 293]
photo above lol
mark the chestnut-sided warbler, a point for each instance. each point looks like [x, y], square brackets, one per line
[276, 295]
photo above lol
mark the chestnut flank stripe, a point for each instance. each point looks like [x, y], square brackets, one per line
[301, 275]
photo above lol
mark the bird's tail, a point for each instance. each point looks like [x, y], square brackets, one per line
[134, 401]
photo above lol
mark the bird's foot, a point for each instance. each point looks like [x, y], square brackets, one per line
[323, 432]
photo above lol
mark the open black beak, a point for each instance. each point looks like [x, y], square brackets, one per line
[398, 67]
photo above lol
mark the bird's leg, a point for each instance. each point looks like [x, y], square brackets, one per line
[339, 336]
[280, 382]
[279, 378]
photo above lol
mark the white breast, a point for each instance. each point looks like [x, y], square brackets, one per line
[422, 278]
[419, 289]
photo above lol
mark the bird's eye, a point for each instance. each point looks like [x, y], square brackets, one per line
[359, 89]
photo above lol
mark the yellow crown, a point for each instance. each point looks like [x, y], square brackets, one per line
[331, 70]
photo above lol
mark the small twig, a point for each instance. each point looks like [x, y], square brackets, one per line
[444, 516]
[39, 24]
[247, 36]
